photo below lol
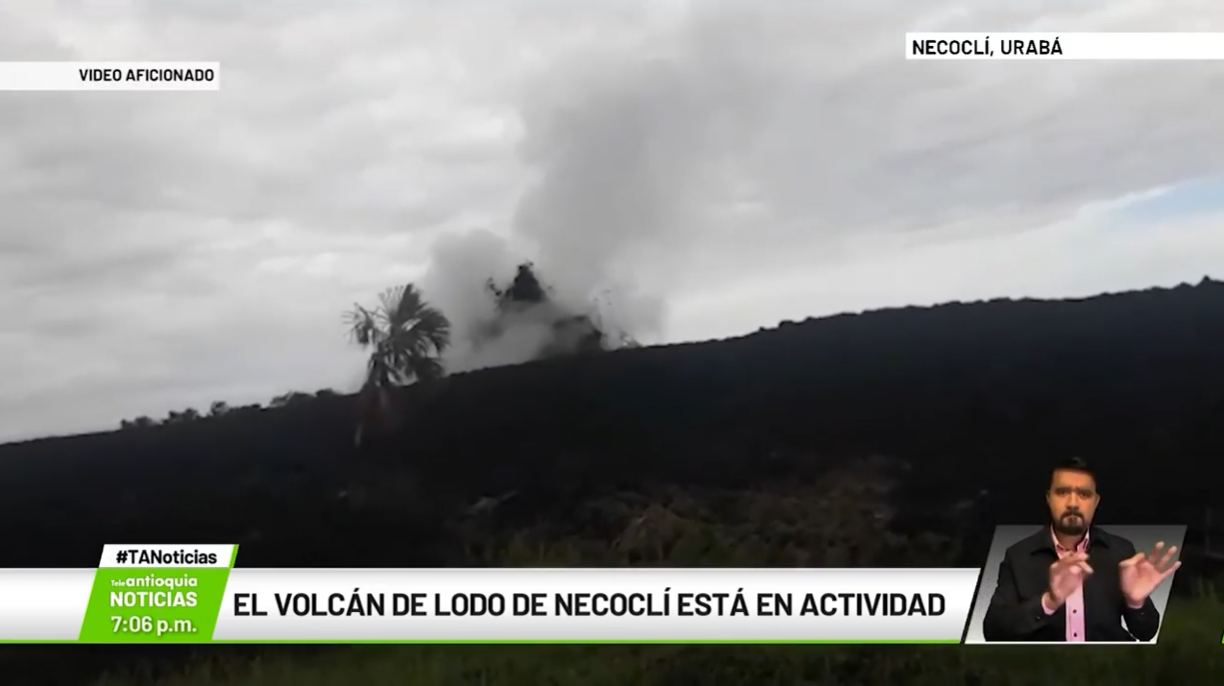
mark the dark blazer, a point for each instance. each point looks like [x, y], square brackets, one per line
[1015, 612]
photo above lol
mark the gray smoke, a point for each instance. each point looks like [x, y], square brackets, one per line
[620, 145]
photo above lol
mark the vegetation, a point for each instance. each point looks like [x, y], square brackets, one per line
[842, 517]
[406, 338]
[739, 451]
[220, 407]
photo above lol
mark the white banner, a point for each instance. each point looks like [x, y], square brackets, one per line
[110, 76]
[1064, 46]
[513, 605]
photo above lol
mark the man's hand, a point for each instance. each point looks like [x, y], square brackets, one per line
[1066, 577]
[1142, 573]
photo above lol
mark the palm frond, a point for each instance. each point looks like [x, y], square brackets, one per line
[403, 304]
[425, 368]
[363, 325]
[433, 327]
[415, 325]
[388, 299]
[405, 335]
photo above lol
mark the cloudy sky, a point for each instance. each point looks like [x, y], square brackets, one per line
[724, 165]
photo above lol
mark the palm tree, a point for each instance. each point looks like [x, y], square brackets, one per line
[406, 338]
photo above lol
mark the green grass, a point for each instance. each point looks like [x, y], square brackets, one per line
[1189, 651]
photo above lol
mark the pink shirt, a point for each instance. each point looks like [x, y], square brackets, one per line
[1075, 601]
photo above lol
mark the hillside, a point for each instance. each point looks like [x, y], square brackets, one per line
[972, 396]
[963, 406]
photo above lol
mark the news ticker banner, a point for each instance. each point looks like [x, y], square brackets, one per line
[985, 45]
[110, 76]
[193, 594]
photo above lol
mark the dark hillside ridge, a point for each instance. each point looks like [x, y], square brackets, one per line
[973, 396]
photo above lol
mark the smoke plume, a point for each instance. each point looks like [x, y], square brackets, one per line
[620, 146]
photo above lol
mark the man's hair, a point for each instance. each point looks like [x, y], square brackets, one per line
[1074, 464]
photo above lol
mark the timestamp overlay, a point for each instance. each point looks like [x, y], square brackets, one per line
[157, 594]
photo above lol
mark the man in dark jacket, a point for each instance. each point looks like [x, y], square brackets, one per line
[1072, 581]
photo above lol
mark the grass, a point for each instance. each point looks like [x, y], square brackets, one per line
[1189, 651]
[770, 528]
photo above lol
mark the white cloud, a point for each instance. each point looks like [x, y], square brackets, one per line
[745, 165]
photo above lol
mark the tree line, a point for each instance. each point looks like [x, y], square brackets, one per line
[404, 334]
[220, 408]
[406, 337]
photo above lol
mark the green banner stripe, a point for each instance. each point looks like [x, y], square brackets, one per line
[154, 605]
[322, 641]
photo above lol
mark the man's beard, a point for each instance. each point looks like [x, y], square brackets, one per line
[1071, 524]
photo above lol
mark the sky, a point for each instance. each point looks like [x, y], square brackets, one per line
[716, 167]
